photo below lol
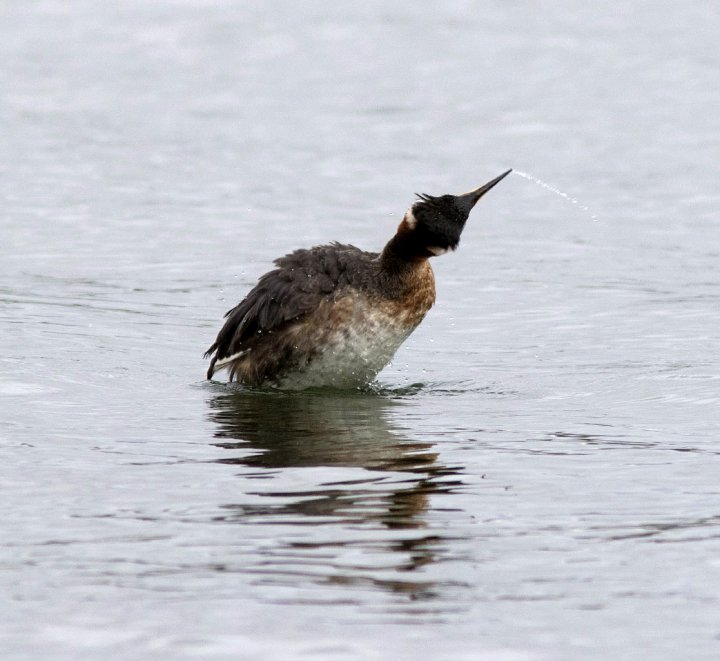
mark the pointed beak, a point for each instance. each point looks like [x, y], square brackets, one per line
[467, 201]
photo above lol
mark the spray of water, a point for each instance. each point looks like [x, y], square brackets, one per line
[557, 191]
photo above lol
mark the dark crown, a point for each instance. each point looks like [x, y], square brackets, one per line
[439, 221]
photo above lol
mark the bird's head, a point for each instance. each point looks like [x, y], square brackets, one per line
[433, 225]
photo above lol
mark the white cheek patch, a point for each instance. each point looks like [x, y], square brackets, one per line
[410, 219]
[437, 250]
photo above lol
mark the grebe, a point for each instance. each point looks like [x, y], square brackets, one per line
[335, 315]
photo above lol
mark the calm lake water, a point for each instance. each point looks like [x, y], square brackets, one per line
[537, 475]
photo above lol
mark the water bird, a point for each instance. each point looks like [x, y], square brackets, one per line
[334, 315]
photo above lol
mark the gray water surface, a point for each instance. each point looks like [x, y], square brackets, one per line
[536, 474]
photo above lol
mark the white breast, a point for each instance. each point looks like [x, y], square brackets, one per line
[352, 353]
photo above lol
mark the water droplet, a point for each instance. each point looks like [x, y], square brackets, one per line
[554, 189]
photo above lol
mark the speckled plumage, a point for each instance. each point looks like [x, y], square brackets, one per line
[335, 315]
[331, 315]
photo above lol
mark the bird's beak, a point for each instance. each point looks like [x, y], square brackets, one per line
[467, 201]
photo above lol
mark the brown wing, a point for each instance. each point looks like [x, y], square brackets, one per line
[302, 280]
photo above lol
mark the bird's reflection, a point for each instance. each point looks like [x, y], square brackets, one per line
[369, 478]
[275, 430]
